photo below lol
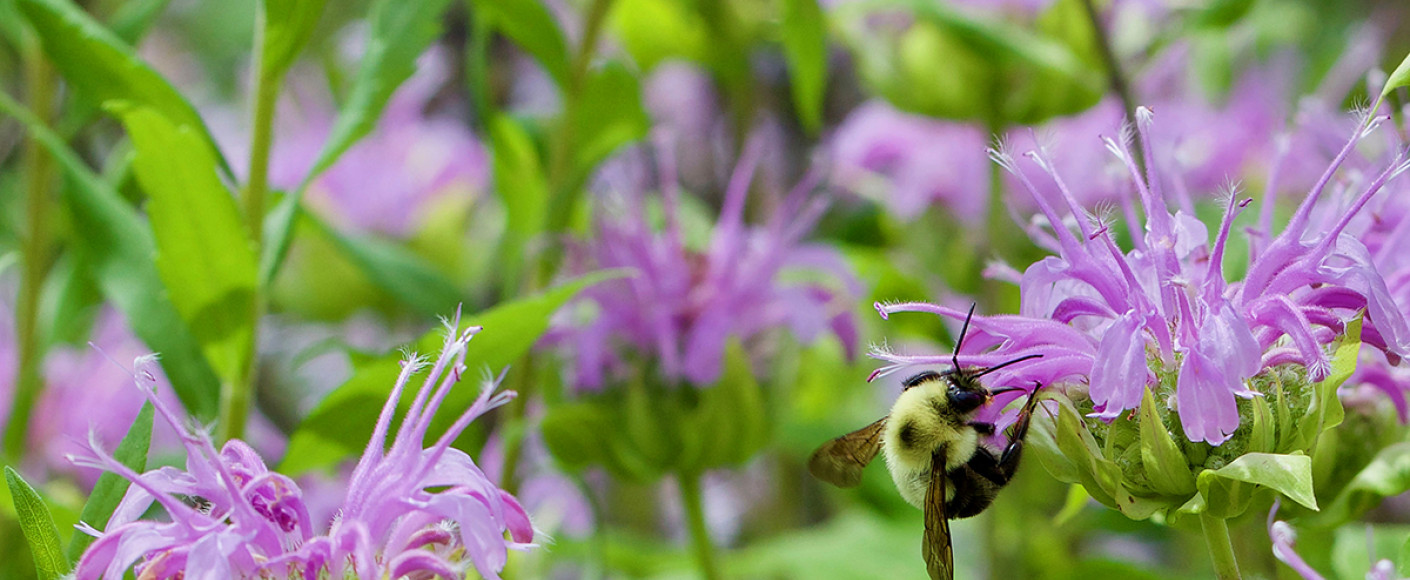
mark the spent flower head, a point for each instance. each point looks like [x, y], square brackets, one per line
[410, 509]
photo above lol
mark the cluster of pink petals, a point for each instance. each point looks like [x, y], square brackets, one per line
[682, 305]
[410, 510]
[1100, 314]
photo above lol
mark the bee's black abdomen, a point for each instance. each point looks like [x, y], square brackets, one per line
[908, 433]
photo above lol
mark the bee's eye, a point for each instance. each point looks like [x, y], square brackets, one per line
[965, 401]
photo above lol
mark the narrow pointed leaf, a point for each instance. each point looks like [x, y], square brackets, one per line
[400, 31]
[396, 270]
[204, 254]
[103, 68]
[288, 24]
[1165, 465]
[108, 492]
[38, 527]
[114, 240]
[805, 50]
[342, 422]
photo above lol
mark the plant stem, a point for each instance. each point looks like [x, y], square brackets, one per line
[39, 184]
[1221, 549]
[1116, 77]
[694, 504]
[235, 395]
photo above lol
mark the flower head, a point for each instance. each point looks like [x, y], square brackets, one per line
[684, 303]
[1122, 320]
[409, 508]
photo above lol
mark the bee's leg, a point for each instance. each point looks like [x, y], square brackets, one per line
[1000, 469]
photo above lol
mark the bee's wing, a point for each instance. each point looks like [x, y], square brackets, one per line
[840, 461]
[935, 546]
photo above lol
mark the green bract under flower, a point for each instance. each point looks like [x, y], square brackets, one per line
[1141, 464]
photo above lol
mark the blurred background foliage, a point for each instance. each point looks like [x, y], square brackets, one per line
[488, 138]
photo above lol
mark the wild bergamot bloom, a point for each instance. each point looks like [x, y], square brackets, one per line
[410, 510]
[1179, 369]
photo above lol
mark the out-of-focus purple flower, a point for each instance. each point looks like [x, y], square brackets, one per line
[391, 180]
[409, 509]
[86, 395]
[683, 304]
[1121, 319]
[1284, 537]
[909, 162]
[557, 505]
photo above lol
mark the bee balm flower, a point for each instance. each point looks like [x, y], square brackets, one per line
[410, 510]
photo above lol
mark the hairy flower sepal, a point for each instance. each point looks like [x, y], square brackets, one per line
[1140, 462]
[644, 430]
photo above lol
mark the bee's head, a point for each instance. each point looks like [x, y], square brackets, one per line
[963, 392]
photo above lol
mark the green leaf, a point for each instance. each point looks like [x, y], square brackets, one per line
[38, 527]
[1403, 567]
[530, 25]
[1094, 471]
[1166, 467]
[343, 421]
[103, 68]
[522, 186]
[1326, 410]
[1400, 77]
[288, 24]
[131, 21]
[574, 434]
[108, 492]
[1290, 475]
[610, 115]
[402, 274]
[805, 50]
[114, 241]
[203, 250]
[740, 406]
[400, 31]
[1387, 475]
[652, 31]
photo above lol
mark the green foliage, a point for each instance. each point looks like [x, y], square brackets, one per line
[522, 187]
[996, 72]
[118, 247]
[531, 26]
[287, 26]
[39, 528]
[1225, 497]
[644, 430]
[103, 68]
[343, 421]
[401, 273]
[400, 31]
[108, 492]
[609, 115]
[805, 47]
[203, 250]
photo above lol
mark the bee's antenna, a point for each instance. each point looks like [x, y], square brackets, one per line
[955, 356]
[1006, 363]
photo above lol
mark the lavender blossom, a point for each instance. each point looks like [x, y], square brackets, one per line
[1123, 321]
[684, 304]
[240, 520]
[390, 182]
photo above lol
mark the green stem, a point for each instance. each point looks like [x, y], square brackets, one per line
[694, 504]
[39, 174]
[1115, 76]
[235, 395]
[1221, 549]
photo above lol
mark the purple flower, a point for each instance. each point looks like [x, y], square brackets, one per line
[683, 304]
[1284, 537]
[85, 396]
[1123, 319]
[409, 509]
[402, 173]
[909, 162]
